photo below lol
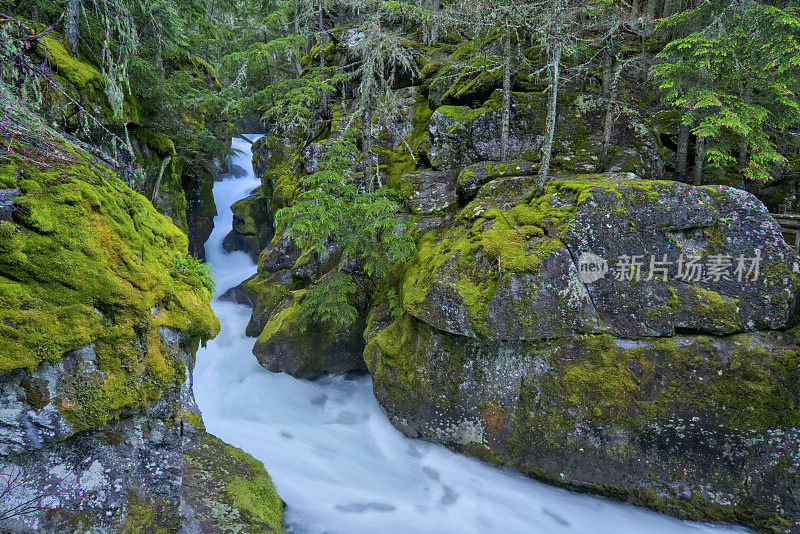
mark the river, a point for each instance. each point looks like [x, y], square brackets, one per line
[337, 461]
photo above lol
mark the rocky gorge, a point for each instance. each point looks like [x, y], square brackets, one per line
[670, 382]
[562, 299]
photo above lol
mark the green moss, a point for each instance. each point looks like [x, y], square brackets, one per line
[395, 359]
[88, 263]
[85, 77]
[144, 514]
[158, 142]
[193, 419]
[602, 380]
[461, 114]
[286, 183]
[586, 185]
[205, 71]
[718, 310]
[8, 176]
[309, 344]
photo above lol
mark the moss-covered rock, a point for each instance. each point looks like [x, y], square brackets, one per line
[512, 272]
[702, 428]
[463, 135]
[85, 81]
[228, 490]
[472, 177]
[88, 261]
[252, 225]
[287, 344]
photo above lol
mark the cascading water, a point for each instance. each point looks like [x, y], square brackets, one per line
[337, 461]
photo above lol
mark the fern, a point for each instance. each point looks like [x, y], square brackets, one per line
[329, 302]
[191, 267]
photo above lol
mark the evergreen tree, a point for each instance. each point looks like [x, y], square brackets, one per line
[735, 81]
[333, 212]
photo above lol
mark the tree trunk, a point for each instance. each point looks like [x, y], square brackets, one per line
[699, 159]
[611, 109]
[652, 6]
[209, 10]
[506, 126]
[321, 41]
[682, 152]
[366, 141]
[72, 25]
[433, 27]
[747, 97]
[550, 126]
[606, 73]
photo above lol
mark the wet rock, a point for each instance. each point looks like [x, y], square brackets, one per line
[285, 345]
[678, 394]
[7, 197]
[252, 225]
[670, 423]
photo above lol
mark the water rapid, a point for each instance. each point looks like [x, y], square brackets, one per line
[337, 461]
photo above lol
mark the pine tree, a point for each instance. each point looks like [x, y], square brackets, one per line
[381, 55]
[735, 81]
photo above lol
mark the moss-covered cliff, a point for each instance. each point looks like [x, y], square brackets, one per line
[101, 312]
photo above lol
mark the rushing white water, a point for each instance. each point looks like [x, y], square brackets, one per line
[337, 461]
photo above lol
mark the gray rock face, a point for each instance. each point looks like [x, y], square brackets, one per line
[252, 225]
[7, 197]
[727, 230]
[431, 192]
[474, 176]
[670, 423]
[522, 280]
[284, 346]
[460, 135]
[95, 479]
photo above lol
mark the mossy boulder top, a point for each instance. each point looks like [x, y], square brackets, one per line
[604, 254]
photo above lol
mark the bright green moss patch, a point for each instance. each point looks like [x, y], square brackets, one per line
[718, 310]
[158, 142]
[230, 490]
[587, 184]
[603, 380]
[85, 77]
[461, 114]
[8, 176]
[395, 358]
[205, 71]
[147, 515]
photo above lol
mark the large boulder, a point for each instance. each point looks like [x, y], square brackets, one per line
[290, 345]
[100, 317]
[462, 135]
[529, 338]
[700, 427]
[711, 260]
